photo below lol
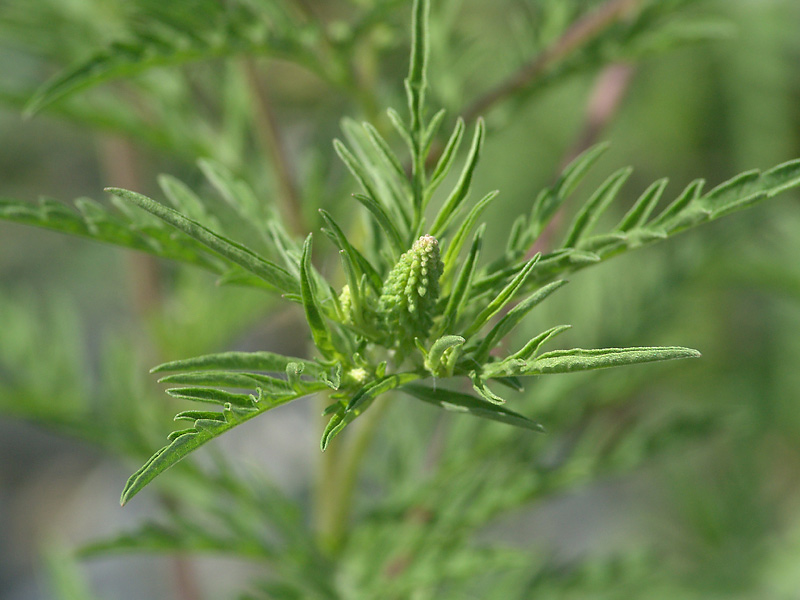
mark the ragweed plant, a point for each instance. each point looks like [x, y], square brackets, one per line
[418, 312]
[424, 304]
[412, 311]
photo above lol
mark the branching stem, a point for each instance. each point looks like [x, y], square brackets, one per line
[579, 34]
[289, 201]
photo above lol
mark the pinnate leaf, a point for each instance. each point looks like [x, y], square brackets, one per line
[458, 402]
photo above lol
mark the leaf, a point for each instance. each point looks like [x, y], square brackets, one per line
[591, 210]
[643, 207]
[458, 402]
[748, 188]
[532, 347]
[194, 415]
[479, 385]
[431, 130]
[182, 537]
[184, 200]
[548, 202]
[417, 71]
[357, 169]
[319, 328]
[338, 237]
[275, 276]
[689, 194]
[237, 408]
[511, 319]
[436, 355]
[178, 448]
[211, 33]
[236, 193]
[781, 178]
[505, 296]
[397, 121]
[384, 220]
[97, 223]
[446, 159]
[361, 400]
[457, 243]
[509, 366]
[385, 152]
[458, 297]
[391, 191]
[241, 361]
[214, 396]
[578, 359]
[233, 379]
[448, 211]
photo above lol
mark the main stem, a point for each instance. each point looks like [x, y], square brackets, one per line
[339, 468]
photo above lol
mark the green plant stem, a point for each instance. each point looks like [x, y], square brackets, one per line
[289, 201]
[577, 35]
[340, 466]
[326, 483]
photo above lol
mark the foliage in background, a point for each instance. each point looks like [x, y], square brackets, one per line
[443, 479]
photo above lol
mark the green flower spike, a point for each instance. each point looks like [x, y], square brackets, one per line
[408, 302]
[346, 302]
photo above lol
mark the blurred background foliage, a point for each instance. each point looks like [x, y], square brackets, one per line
[663, 481]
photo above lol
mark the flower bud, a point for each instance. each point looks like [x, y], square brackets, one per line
[408, 301]
[346, 302]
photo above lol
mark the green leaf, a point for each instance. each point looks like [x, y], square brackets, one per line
[397, 121]
[185, 200]
[319, 328]
[505, 296]
[338, 237]
[203, 431]
[578, 359]
[96, 223]
[343, 415]
[275, 276]
[479, 385]
[511, 319]
[417, 72]
[385, 152]
[445, 162]
[460, 293]
[380, 182]
[235, 192]
[385, 222]
[435, 361]
[233, 379]
[781, 178]
[643, 207]
[448, 211]
[532, 347]
[240, 361]
[751, 187]
[431, 129]
[457, 243]
[181, 537]
[357, 169]
[591, 210]
[689, 194]
[458, 402]
[214, 31]
[510, 365]
[194, 415]
[549, 201]
[214, 396]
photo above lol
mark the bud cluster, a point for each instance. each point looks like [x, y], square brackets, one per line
[408, 302]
